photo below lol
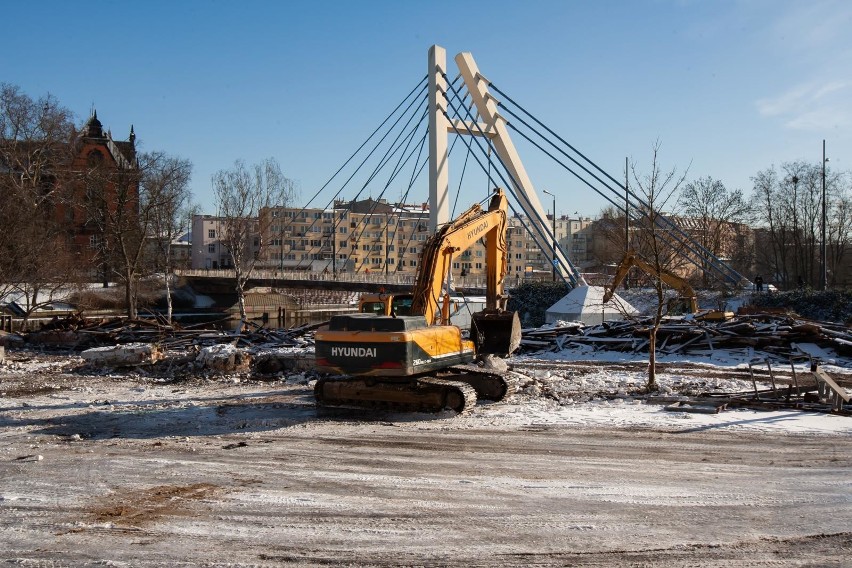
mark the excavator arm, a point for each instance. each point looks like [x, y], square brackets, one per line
[631, 259]
[430, 289]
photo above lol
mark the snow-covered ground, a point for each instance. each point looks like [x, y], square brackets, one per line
[580, 467]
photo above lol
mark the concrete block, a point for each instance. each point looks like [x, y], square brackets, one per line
[122, 355]
[224, 358]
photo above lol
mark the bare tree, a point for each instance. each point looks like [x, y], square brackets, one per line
[127, 206]
[36, 145]
[788, 210]
[165, 187]
[241, 193]
[114, 210]
[719, 214]
[657, 189]
[839, 237]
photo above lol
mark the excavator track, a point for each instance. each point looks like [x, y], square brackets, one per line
[488, 386]
[425, 394]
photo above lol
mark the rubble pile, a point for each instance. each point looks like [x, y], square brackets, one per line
[76, 332]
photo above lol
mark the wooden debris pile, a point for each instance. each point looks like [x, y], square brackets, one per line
[76, 332]
[770, 335]
[814, 390]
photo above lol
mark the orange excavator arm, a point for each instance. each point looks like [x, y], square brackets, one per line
[630, 260]
[455, 237]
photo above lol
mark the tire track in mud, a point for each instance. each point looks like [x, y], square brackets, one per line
[146, 506]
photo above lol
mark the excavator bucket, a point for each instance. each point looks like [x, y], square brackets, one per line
[495, 332]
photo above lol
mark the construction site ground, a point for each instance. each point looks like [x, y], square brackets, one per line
[124, 469]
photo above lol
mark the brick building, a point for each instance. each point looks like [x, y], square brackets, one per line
[104, 177]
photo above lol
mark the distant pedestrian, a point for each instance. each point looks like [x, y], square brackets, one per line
[758, 283]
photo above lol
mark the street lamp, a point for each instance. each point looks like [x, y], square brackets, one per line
[824, 275]
[554, 232]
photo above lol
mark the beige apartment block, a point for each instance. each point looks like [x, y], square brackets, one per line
[375, 236]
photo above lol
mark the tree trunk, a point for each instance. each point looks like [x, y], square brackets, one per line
[128, 294]
[168, 297]
[167, 274]
[652, 359]
[241, 300]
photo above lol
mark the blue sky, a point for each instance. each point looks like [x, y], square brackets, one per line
[728, 88]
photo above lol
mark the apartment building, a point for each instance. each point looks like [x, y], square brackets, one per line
[375, 236]
[527, 260]
[354, 236]
[208, 250]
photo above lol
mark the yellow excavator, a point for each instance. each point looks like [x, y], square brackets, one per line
[403, 353]
[686, 301]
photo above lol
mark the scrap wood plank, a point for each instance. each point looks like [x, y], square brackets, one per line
[676, 348]
[830, 390]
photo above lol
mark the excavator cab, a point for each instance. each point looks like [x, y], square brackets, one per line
[386, 304]
[681, 306]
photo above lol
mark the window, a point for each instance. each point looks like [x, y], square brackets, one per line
[211, 233]
[343, 244]
[211, 248]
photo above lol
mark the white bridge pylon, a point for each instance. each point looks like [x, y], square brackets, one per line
[494, 128]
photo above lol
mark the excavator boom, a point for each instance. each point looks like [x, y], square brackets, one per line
[686, 302]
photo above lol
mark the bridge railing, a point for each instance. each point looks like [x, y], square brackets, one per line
[291, 275]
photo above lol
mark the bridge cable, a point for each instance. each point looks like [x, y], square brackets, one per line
[571, 270]
[707, 256]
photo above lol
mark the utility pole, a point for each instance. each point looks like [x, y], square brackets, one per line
[824, 275]
[333, 240]
[626, 208]
[387, 243]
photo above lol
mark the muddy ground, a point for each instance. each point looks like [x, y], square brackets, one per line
[128, 470]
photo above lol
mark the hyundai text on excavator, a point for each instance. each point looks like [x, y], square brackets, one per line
[685, 303]
[409, 356]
